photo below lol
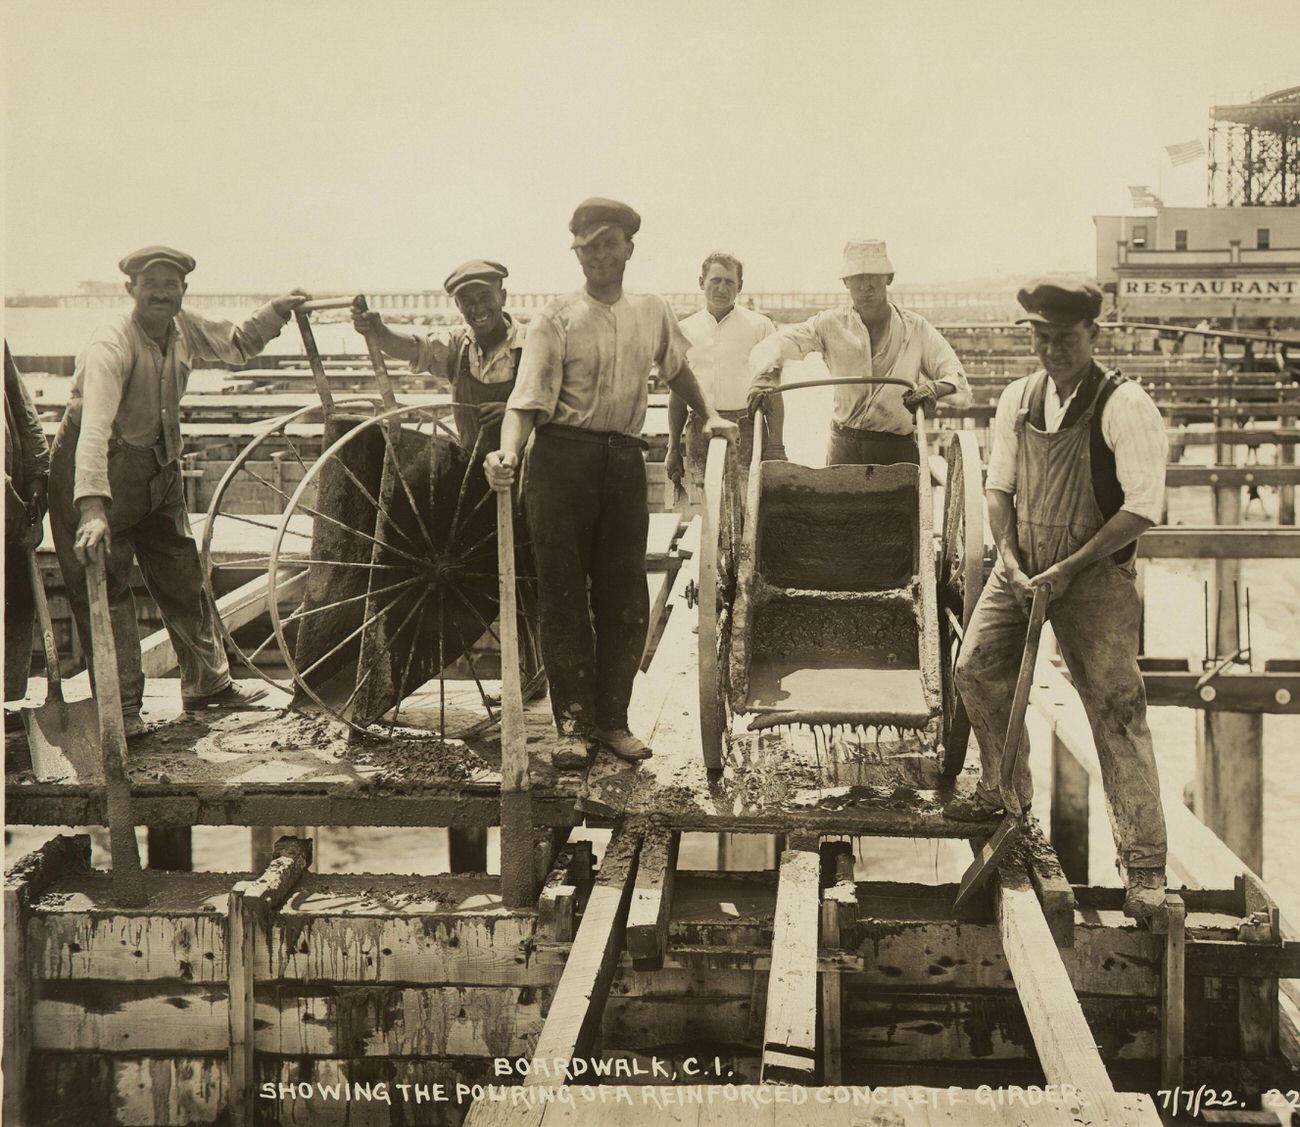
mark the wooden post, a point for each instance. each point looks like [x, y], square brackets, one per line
[170, 848]
[249, 910]
[1070, 810]
[261, 840]
[1229, 779]
[1173, 988]
[1286, 493]
[790, 1031]
[652, 896]
[467, 849]
[518, 889]
[839, 918]
[23, 884]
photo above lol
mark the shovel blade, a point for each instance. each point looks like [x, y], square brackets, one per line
[63, 739]
[987, 860]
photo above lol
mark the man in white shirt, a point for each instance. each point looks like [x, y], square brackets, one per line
[870, 423]
[1076, 475]
[721, 336]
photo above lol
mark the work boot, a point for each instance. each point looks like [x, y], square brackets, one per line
[1146, 893]
[133, 727]
[233, 696]
[622, 743]
[572, 753]
[974, 808]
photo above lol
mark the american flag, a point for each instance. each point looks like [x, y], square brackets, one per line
[1184, 152]
[1143, 196]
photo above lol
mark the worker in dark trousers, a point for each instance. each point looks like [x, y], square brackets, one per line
[582, 395]
[115, 477]
[480, 361]
[1076, 474]
[27, 469]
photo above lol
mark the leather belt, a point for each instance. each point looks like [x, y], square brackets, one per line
[613, 438]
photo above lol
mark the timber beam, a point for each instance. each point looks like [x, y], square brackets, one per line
[573, 1022]
[1211, 542]
[790, 1030]
[652, 896]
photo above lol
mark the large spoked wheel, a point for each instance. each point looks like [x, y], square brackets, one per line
[719, 549]
[401, 588]
[240, 525]
[961, 579]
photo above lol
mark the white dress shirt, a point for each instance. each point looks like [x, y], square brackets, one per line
[719, 353]
[1131, 426]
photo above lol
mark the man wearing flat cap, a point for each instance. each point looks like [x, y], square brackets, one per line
[115, 477]
[480, 364]
[581, 396]
[870, 337]
[1076, 474]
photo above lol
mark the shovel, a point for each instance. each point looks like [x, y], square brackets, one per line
[128, 880]
[1004, 837]
[63, 738]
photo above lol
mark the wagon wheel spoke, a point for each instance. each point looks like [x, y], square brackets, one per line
[390, 452]
[406, 669]
[343, 642]
[379, 661]
[464, 487]
[473, 669]
[298, 615]
[374, 501]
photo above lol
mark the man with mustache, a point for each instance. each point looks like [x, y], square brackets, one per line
[582, 395]
[115, 477]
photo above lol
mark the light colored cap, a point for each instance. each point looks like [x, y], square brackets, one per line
[865, 256]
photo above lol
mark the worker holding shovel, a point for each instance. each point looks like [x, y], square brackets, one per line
[1076, 475]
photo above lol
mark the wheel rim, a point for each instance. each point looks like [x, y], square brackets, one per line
[262, 477]
[410, 586]
[719, 541]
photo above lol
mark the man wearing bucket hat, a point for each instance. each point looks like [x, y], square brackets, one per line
[480, 361]
[1076, 474]
[115, 476]
[582, 396]
[871, 336]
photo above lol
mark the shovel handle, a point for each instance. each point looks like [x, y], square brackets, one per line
[1013, 747]
[53, 673]
[377, 360]
[514, 746]
[128, 880]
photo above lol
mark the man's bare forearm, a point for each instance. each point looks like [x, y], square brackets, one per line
[400, 346]
[677, 415]
[1115, 535]
[685, 386]
[515, 430]
[1002, 522]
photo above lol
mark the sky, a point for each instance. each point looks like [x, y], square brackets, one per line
[374, 146]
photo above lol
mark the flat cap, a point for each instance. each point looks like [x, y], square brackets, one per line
[1057, 302]
[865, 256]
[595, 215]
[143, 258]
[475, 270]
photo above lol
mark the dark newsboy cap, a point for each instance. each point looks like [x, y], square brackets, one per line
[475, 270]
[1048, 302]
[142, 259]
[595, 215]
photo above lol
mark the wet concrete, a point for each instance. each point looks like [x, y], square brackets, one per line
[842, 528]
[827, 682]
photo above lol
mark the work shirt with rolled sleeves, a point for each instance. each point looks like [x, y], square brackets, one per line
[719, 353]
[911, 349]
[124, 383]
[439, 357]
[587, 364]
[1131, 427]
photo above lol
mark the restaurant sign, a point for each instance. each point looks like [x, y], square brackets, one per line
[1254, 286]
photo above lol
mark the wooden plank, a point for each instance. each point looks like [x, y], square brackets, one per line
[1186, 542]
[127, 1091]
[790, 1030]
[557, 904]
[575, 1014]
[23, 883]
[1174, 989]
[652, 895]
[236, 608]
[247, 918]
[126, 948]
[839, 918]
[130, 1017]
[1054, 891]
[404, 1021]
[1066, 1048]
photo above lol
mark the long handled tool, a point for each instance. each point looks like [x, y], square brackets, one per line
[517, 883]
[128, 880]
[62, 738]
[1004, 837]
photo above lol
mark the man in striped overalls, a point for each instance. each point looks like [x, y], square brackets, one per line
[1076, 475]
